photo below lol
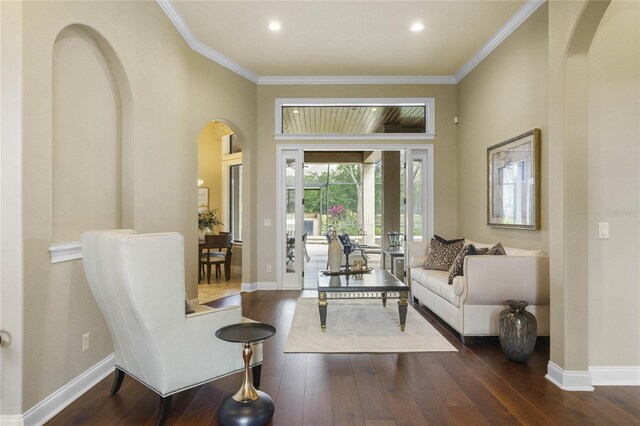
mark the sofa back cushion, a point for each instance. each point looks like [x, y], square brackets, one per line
[442, 253]
[511, 251]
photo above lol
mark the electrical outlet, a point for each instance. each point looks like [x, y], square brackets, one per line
[268, 268]
[85, 342]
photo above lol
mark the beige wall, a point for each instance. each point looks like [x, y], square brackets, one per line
[503, 97]
[210, 167]
[445, 153]
[613, 158]
[218, 94]
[86, 138]
[173, 93]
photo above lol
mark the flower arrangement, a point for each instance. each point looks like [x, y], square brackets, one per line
[208, 219]
[337, 213]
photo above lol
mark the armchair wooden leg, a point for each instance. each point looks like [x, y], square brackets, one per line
[256, 371]
[208, 273]
[165, 405]
[467, 340]
[117, 381]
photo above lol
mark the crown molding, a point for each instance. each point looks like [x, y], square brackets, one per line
[282, 80]
[510, 26]
[198, 46]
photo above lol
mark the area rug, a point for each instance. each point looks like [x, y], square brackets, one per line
[357, 326]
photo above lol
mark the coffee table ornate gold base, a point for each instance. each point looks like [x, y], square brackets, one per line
[379, 284]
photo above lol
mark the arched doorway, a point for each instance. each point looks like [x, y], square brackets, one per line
[220, 206]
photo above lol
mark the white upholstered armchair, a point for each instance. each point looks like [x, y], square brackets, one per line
[138, 283]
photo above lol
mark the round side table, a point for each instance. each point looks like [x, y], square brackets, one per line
[248, 407]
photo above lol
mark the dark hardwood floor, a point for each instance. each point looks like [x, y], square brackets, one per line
[475, 386]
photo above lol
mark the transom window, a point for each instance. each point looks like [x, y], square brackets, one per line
[370, 118]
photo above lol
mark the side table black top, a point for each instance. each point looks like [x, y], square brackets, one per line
[246, 332]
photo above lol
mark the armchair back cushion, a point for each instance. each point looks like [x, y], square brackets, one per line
[138, 284]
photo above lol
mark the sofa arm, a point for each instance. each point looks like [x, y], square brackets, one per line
[491, 280]
[417, 257]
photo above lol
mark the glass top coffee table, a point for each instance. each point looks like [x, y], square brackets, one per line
[377, 284]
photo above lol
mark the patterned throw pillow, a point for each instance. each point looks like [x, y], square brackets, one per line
[497, 250]
[458, 264]
[483, 250]
[442, 253]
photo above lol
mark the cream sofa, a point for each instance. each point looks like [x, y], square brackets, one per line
[473, 303]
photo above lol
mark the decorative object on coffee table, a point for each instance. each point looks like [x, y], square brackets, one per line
[517, 330]
[334, 252]
[248, 407]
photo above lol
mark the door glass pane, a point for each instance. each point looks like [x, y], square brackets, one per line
[418, 199]
[290, 218]
[403, 196]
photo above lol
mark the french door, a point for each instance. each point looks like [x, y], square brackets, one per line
[418, 205]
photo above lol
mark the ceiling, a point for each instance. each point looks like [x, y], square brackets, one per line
[360, 119]
[344, 38]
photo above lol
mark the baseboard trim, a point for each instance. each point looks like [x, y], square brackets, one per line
[57, 401]
[615, 376]
[248, 287]
[17, 420]
[568, 380]
[267, 285]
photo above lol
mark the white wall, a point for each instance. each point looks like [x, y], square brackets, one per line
[11, 254]
[614, 187]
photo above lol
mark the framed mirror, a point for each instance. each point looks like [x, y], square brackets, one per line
[513, 187]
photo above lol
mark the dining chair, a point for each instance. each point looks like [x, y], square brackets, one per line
[212, 254]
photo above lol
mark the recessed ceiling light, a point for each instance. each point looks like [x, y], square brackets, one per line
[374, 109]
[417, 27]
[295, 111]
[275, 26]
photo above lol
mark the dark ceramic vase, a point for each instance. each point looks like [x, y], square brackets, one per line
[518, 331]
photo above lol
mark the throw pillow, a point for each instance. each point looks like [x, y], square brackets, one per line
[442, 253]
[458, 264]
[483, 250]
[497, 250]
[188, 307]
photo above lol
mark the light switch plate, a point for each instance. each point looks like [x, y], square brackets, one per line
[603, 230]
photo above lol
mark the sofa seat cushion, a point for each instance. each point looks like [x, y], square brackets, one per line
[438, 282]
